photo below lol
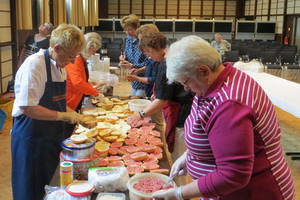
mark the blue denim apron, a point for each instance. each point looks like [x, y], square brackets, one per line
[36, 144]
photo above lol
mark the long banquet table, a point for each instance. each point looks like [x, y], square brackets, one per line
[56, 177]
[283, 93]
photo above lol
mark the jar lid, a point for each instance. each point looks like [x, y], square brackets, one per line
[69, 144]
[80, 188]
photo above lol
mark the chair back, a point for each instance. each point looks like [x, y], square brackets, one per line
[269, 57]
[288, 57]
[254, 53]
[231, 56]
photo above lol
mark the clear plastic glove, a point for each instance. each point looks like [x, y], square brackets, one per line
[125, 65]
[71, 117]
[100, 97]
[134, 71]
[122, 57]
[170, 194]
[132, 78]
[87, 121]
[179, 167]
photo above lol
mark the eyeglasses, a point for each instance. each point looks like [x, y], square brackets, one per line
[185, 82]
[71, 57]
[128, 30]
[46, 26]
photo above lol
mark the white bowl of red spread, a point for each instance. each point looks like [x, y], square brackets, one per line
[142, 185]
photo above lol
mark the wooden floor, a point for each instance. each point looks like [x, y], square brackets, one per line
[290, 126]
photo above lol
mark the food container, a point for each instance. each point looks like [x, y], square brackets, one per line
[79, 151]
[138, 104]
[80, 190]
[81, 167]
[138, 195]
[111, 196]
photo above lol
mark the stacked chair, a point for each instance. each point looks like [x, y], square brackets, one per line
[112, 49]
[290, 62]
[231, 56]
[272, 62]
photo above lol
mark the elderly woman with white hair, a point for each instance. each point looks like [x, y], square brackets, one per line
[77, 74]
[171, 99]
[232, 134]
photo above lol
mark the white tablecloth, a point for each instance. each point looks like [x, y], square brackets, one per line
[283, 93]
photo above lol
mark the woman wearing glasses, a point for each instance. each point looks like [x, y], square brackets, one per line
[40, 112]
[133, 57]
[172, 99]
[36, 42]
[232, 134]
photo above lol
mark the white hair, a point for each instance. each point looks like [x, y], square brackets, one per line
[92, 40]
[185, 55]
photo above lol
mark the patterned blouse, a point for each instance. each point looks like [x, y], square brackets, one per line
[136, 58]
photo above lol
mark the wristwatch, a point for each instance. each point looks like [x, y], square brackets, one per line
[142, 114]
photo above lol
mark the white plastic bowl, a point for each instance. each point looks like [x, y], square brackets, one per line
[137, 195]
[138, 104]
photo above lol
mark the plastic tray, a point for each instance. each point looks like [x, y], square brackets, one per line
[122, 195]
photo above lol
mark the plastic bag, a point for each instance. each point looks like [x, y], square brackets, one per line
[56, 193]
[109, 179]
[253, 66]
[59, 193]
[103, 78]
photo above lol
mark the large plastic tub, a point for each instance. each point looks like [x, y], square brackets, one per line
[138, 195]
[138, 104]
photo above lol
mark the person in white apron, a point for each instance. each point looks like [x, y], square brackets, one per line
[39, 113]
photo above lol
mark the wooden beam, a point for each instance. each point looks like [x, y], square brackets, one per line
[178, 9]
[154, 8]
[190, 9]
[213, 8]
[166, 9]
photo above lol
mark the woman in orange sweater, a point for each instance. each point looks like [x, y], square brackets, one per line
[77, 74]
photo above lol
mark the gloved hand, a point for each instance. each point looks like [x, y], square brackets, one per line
[122, 57]
[179, 167]
[170, 194]
[87, 121]
[100, 97]
[133, 71]
[71, 117]
[125, 65]
[132, 78]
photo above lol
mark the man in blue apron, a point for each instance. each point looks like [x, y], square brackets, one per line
[40, 113]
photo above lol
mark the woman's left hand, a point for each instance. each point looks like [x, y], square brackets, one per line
[165, 194]
[134, 71]
[125, 64]
[132, 119]
[132, 78]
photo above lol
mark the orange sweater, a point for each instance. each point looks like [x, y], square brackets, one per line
[77, 86]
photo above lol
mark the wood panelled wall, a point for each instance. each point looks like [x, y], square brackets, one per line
[260, 10]
[169, 9]
[8, 47]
